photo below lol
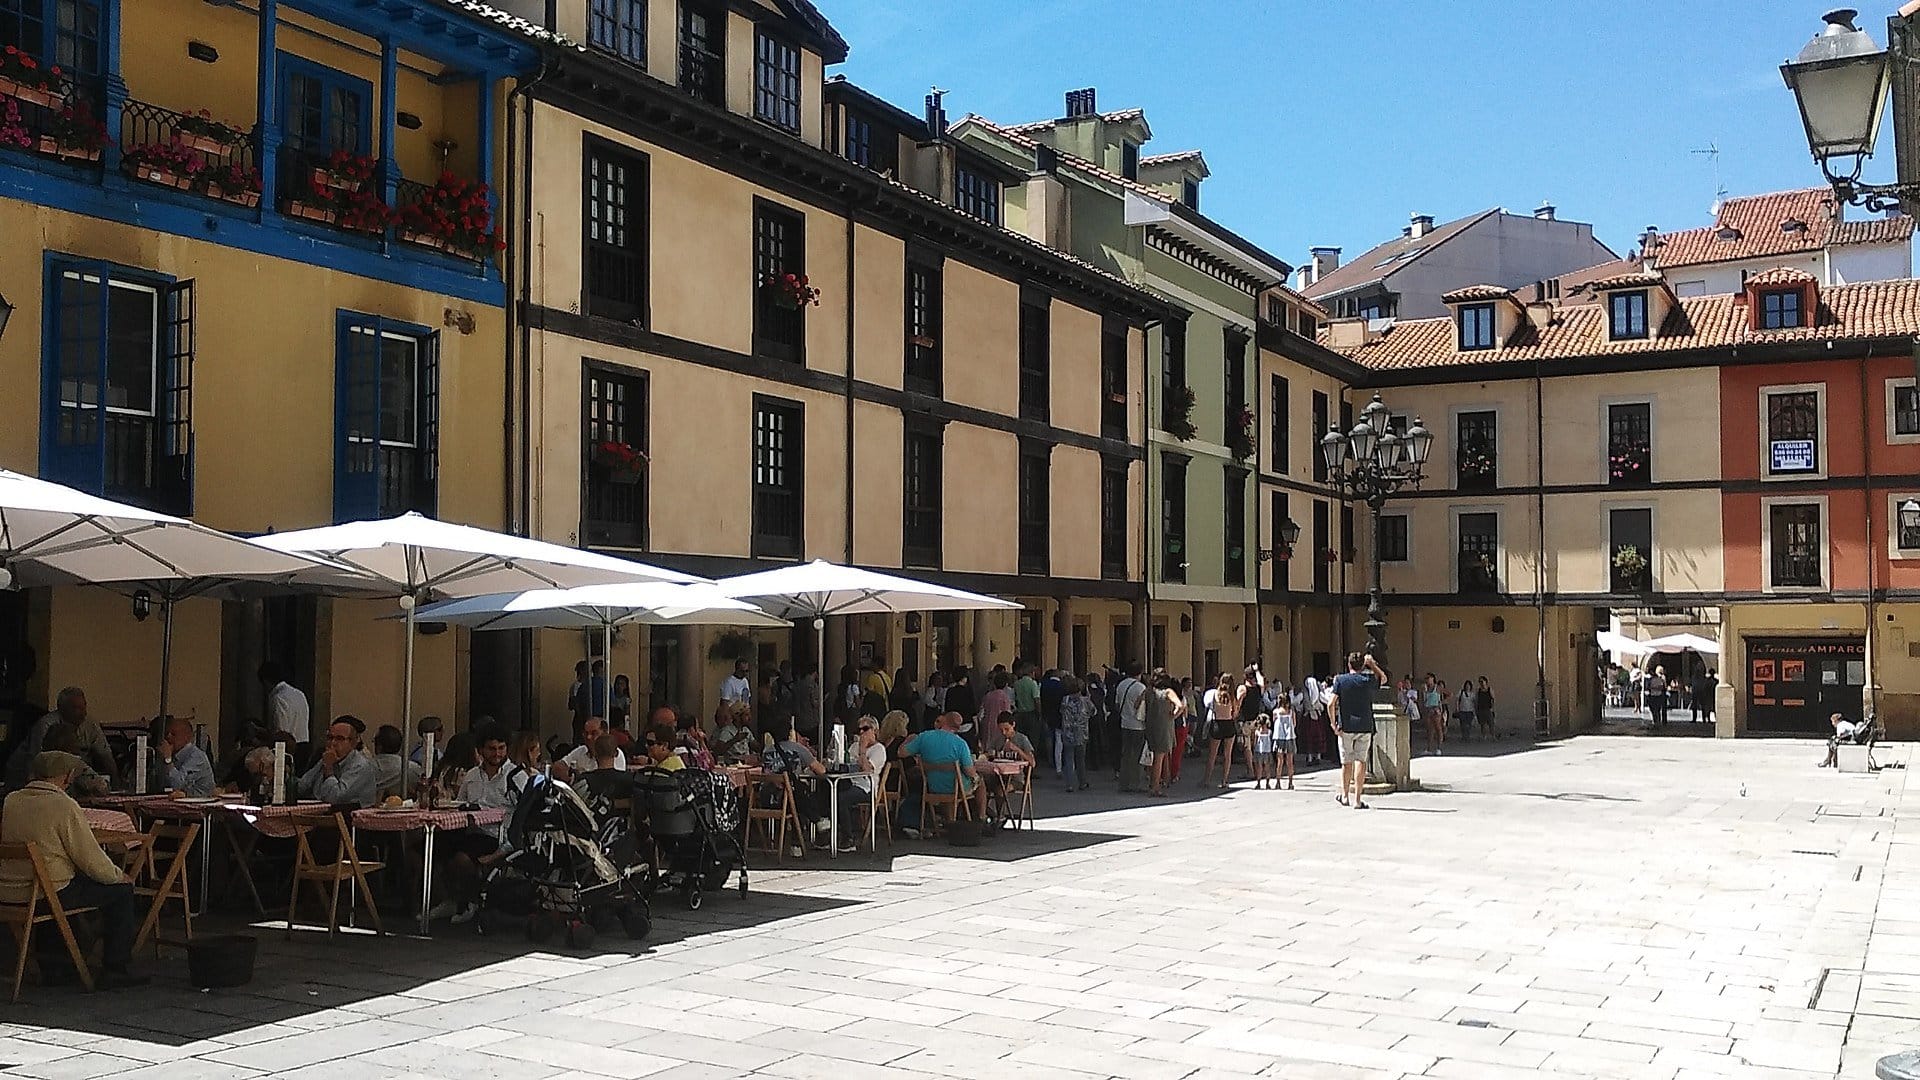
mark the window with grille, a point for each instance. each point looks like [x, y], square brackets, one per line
[1277, 313]
[1793, 433]
[1281, 432]
[703, 51]
[776, 83]
[859, 144]
[614, 423]
[779, 249]
[1906, 410]
[1113, 379]
[1173, 376]
[1236, 528]
[779, 451]
[1630, 550]
[921, 499]
[1630, 444]
[1627, 315]
[1479, 553]
[619, 27]
[1475, 323]
[387, 404]
[1319, 431]
[1795, 536]
[869, 144]
[615, 224]
[924, 282]
[1036, 507]
[63, 33]
[1781, 309]
[1035, 381]
[1235, 351]
[117, 385]
[1475, 451]
[1393, 538]
[1173, 518]
[1113, 518]
[976, 193]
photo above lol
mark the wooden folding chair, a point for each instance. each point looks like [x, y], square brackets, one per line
[883, 810]
[958, 804]
[170, 844]
[1019, 800]
[22, 918]
[327, 877]
[768, 816]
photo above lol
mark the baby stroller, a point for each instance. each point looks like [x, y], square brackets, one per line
[693, 816]
[569, 868]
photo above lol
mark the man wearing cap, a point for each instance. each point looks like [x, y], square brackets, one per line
[343, 775]
[79, 872]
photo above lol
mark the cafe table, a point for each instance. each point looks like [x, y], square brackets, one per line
[428, 822]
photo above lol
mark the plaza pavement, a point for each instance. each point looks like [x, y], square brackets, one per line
[1602, 907]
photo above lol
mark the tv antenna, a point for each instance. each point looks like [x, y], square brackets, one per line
[1712, 153]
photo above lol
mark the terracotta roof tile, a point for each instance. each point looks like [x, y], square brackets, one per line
[1028, 142]
[1780, 223]
[1476, 292]
[1636, 278]
[1874, 309]
[1170, 159]
[1119, 117]
[1781, 275]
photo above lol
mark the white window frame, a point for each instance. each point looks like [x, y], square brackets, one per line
[1819, 392]
[1655, 579]
[1652, 403]
[1894, 550]
[1767, 503]
[1453, 541]
[1893, 437]
[1409, 519]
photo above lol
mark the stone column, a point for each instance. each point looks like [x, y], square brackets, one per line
[1250, 636]
[1197, 661]
[980, 624]
[1729, 704]
[1063, 658]
[1138, 632]
[693, 673]
[836, 656]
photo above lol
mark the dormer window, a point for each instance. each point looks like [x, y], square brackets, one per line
[1190, 193]
[1476, 326]
[1781, 309]
[1130, 160]
[776, 83]
[619, 27]
[976, 193]
[1627, 313]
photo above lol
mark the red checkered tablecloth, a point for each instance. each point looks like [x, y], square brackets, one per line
[406, 820]
[102, 818]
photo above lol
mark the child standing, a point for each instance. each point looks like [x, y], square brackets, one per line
[1262, 752]
[1285, 734]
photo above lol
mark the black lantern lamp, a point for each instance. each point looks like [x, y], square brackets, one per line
[1841, 81]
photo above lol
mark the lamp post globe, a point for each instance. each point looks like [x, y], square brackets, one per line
[1840, 80]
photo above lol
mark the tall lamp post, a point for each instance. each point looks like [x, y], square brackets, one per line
[1373, 464]
[1841, 80]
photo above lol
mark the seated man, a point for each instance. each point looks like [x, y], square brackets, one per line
[79, 872]
[939, 748]
[1844, 730]
[86, 783]
[343, 775]
[733, 740]
[392, 774]
[179, 764]
[1013, 746]
[585, 758]
[70, 712]
[790, 756]
[468, 850]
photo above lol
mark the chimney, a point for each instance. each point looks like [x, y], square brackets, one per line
[1649, 246]
[1049, 212]
[936, 113]
[1421, 226]
[1324, 261]
[1344, 334]
[1080, 103]
[1546, 211]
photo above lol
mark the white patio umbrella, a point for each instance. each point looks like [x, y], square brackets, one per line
[818, 589]
[417, 558]
[601, 607]
[1678, 643]
[51, 534]
[1619, 643]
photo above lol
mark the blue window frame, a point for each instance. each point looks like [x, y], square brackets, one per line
[619, 27]
[322, 109]
[386, 417]
[117, 388]
[69, 33]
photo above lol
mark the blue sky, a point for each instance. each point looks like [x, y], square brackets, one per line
[1328, 123]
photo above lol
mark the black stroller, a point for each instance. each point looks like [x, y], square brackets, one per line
[569, 868]
[693, 816]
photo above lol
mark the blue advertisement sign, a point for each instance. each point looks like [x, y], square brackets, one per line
[1795, 455]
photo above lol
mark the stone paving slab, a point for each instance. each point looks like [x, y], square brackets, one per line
[1598, 907]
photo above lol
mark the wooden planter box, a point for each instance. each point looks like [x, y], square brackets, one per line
[322, 214]
[154, 174]
[424, 240]
[324, 179]
[248, 199]
[205, 144]
[32, 95]
[51, 147]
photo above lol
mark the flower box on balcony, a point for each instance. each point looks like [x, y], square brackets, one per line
[203, 144]
[50, 146]
[328, 180]
[323, 214]
[155, 174]
[32, 95]
[248, 199]
[423, 239]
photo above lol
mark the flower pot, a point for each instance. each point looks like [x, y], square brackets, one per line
[310, 212]
[323, 178]
[31, 95]
[205, 144]
[154, 174]
[51, 146]
[423, 239]
[248, 199]
[923, 341]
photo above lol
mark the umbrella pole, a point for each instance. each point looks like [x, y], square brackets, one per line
[166, 652]
[606, 657]
[406, 706]
[820, 675]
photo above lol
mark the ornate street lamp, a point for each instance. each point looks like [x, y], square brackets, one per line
[1841, 81]
[1373, 463]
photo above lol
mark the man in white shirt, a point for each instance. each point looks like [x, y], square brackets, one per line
[579, 761]
[1844, 730]
[735, 689]
[486, 786]
[468, 850]
[287, 708]
[1130, 699]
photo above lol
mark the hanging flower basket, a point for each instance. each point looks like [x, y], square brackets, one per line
[1240, 434]
[1630, 565]
[1628, 462]
[624, 464]
[1178, 418]
[791, 292]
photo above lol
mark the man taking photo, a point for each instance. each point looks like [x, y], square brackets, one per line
[1353, 724]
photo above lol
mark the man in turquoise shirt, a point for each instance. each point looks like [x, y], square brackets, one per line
[939, 748]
